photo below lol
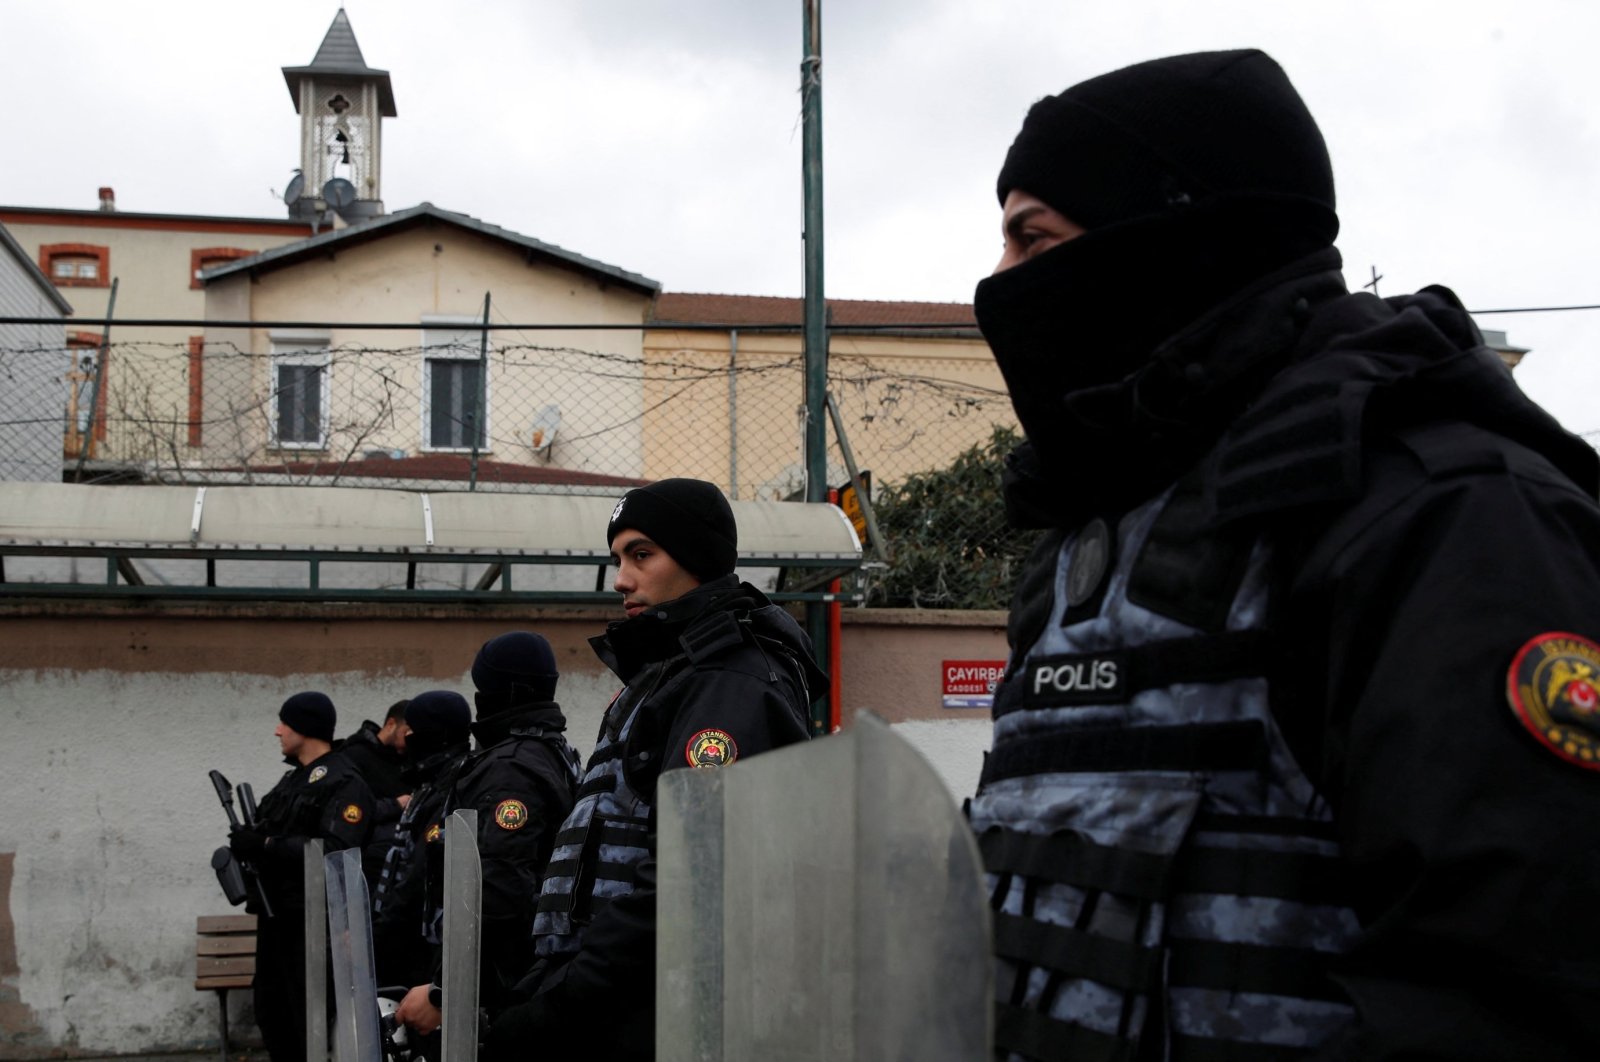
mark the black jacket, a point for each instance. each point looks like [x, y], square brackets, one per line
[379, 766]
[722, 658]
[1429, 523]
[521, 782]
[325, 799]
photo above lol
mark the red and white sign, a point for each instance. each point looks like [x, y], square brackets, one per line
[971, 683]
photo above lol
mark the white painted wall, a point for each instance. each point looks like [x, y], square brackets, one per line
[105, 801]
[107, 805]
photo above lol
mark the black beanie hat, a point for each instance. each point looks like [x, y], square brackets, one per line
[689, 518]
[1218, 127]
[438, 719]
[310, 714]
[514, 668]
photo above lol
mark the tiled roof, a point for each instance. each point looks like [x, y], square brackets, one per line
[385, 224]
[453, 467]
[734, 310]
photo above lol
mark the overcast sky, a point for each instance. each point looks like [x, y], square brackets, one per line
[664, 137]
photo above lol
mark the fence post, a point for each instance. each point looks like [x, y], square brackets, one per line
[98, 385]
[480, 392]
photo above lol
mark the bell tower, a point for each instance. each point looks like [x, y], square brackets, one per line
[342, 103]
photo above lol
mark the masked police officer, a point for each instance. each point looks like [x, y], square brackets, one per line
[522, 781]
[714, 673]
[1296, 751]
[407, 909]
[324, 797]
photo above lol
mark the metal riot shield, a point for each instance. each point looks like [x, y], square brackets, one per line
[821, 901]
[355, 986]
[316, 941]
[463, 929]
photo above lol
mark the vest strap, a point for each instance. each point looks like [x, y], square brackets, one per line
[1039, 1036]
[1236, 746]
[1302, 876]
[1077, 954]
[1206, 1049]
[1067, 858]
[604, 783]
[1256, 968]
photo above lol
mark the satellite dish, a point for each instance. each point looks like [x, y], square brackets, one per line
[545, 425]
[339, 193]
[297, 185]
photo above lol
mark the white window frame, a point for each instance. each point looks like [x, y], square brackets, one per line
[452, 338]
[301, 353]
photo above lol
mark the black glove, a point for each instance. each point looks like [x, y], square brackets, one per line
[247, 844]
[511, 1032]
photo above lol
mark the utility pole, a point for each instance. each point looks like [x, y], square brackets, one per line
[816, 308]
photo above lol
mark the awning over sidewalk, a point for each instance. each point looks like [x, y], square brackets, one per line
[349, 542]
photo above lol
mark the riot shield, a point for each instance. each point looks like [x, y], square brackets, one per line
[463, 928]
[316, 941]
[355, 986]
[820, 901]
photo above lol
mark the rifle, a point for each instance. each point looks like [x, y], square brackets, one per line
[230, 871]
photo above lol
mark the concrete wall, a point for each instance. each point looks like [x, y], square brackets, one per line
[113, 714]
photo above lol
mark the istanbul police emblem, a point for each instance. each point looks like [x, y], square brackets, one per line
[711, 748]
[352, 813]
[511, 814]
[1091, 556]
[434, 833]
[1554, 690]
[317, 774]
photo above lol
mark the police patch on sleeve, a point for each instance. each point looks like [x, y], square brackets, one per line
[317, 774]
[711, 748]
[511, 814]
[352, 813]
[1554, 690]
[434, 833]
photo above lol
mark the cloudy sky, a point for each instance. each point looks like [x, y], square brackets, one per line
[665, 137]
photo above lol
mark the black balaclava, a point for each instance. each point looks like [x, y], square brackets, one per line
[440, 722]
[1194, 176]
[310, 714]
[689, 518]
[512, 669]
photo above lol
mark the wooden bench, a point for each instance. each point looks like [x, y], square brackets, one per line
[224, 958]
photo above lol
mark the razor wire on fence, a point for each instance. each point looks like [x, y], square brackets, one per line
[458, 413]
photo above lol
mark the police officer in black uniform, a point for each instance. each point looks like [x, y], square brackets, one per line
[521, 781]
[324, 797]
[377, 751]
[407, 910]
[1298, 749]
[714, 673]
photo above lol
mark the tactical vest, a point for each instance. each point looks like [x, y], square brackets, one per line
[607, 832]
[1164, 878]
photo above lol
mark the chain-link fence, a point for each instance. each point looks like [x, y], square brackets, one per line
[513, 414]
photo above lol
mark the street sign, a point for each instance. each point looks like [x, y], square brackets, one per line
[850, 502]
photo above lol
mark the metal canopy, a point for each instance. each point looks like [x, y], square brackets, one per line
[490, 532]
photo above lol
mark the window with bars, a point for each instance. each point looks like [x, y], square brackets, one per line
[455, 395]
[300, 395]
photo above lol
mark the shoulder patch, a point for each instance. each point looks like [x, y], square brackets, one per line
[434, 833]
[1554, 690]
[317, 774]
[511, 814]
[352, 813]
[711, 748]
